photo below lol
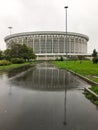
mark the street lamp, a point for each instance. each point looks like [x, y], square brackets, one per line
[66, 7]
[10, 29]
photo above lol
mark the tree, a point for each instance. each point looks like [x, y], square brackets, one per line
[1, 55]
[16, 51]
[30, 54]
[24, 51]
[7, 54]
[19, 51]
[27, 52]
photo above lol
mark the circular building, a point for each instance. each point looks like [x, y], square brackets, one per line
[49, 45]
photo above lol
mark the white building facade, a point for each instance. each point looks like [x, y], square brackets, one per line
[51, 44]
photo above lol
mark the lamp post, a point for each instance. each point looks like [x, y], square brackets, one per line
[66, 7]
[10, 29]
[66, 41]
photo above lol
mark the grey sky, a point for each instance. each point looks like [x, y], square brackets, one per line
[49, 15]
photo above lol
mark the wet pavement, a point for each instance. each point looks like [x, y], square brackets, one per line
[45, 98]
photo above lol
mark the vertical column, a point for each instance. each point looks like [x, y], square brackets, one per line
[82, 45]
[33, 43]
[74, 45]
[69, 44]
[86, 46]
[46, 46]
[53, 48]
[58, 46]
[52, 45]
[39, 46]
[77, 45]
[64, 45]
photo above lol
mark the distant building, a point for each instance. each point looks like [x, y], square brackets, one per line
[49, 45]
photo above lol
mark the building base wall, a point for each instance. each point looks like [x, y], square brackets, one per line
[58, 56]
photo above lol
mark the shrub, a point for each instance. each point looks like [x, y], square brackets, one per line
[4, 62]
[95, 60]
[61, 58]
[56, 59]
[95, 89]
[96, 102]
[89, 96]
[17, 60]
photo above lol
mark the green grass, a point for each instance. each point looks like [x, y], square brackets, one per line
[86, 68]
[96, 102]
[95, 89]
[91, 97]
[12, 66]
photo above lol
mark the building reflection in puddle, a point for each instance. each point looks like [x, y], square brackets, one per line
[45, 78]
[44, 98]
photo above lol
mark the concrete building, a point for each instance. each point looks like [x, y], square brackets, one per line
[49, 45]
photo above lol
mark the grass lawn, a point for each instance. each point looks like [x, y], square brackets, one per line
[95, 89]
[12, 66]
[86, 68]
[91, 97]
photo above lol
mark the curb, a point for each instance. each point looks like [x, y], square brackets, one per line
[93, 93]
[88, 81]
[83, 77]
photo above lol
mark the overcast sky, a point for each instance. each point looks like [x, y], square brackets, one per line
[49, 15]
